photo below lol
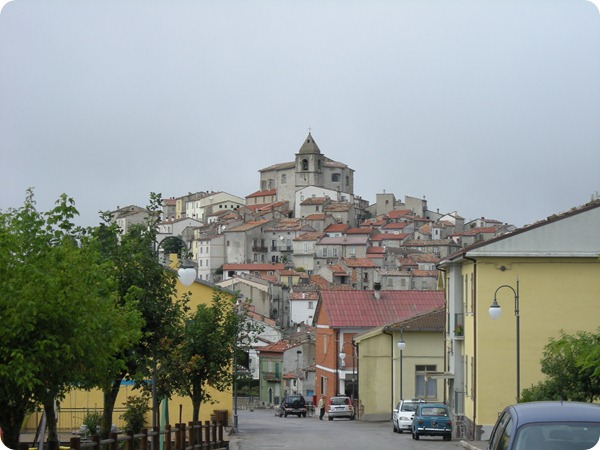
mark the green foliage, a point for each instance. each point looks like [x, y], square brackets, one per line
[210, 338]
[91, 422]
[143, 284]
[571, 366]
[56, 298]
[135, 413]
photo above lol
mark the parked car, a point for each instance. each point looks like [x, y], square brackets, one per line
[402, 415]
[340, 407]
[548, 426]
[432, 419]
[293, 404]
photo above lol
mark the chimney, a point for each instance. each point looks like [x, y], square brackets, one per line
[377, 290]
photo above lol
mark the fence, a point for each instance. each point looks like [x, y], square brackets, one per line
[195, 436]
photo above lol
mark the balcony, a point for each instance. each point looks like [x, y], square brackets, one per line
[272, 376]
[259, 248]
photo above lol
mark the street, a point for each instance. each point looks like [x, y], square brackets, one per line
[262, 429]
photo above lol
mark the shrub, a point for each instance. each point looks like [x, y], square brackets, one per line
[135, 413]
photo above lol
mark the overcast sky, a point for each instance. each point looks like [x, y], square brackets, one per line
[485, 107]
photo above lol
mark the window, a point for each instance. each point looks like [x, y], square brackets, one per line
[283, 178]
[311, 305]
[324, 252]
[304, 164]
[334, 252]
[335, 177]
[306, 247]
[501, 434]
[425, 387]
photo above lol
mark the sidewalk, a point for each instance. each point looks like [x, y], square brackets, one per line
[474, 445]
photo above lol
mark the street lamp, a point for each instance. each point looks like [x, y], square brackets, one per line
[495, 312]
[401, 347]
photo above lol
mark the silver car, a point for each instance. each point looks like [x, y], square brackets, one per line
[340, 407]
[402, 415]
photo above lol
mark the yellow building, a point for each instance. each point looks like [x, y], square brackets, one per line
[389, 372]
[546, 278]
[77, 403]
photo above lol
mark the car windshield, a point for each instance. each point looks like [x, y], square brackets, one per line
[339, 401]
[563, 436]
[409, 407]
[434, 411]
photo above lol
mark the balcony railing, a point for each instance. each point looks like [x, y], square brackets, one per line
[272, 376]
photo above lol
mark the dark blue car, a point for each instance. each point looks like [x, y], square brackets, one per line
[547, 426]
[432, 419]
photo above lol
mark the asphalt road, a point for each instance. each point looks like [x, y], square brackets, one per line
[261, 429]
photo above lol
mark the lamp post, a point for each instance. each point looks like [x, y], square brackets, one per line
[495, 312]
[401, 347]
[342, 358]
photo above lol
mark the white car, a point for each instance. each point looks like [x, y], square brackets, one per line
[402, 415]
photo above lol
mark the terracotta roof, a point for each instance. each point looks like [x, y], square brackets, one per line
[315, 216]
[375, 250]
[277, 347]
[424, 257]
[337, 207]
[249, 225]
[359, 262]
[337, 228]
[270, 206]
[337, 270]
[319, 281]
[262, 193]
[304, 295]
[314, 201]
[475, 231]
[360, 230]
[429, 321]
[396, 214]
[360, 308]
[310, 236]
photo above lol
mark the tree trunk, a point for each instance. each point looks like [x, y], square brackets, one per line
[12, 420]
[110, 398]
[52, 439]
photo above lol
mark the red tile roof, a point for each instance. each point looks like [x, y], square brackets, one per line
[399, 213]
[360, 308]
[359, 262]
[337, 228]
[262, 193]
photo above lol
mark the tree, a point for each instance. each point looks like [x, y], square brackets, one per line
[140, 280]
[55, 300]
[571, 366]
[205, 353]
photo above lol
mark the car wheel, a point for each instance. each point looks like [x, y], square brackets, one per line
[413, 435]
[416, 436]
[395, 427]
[330, 418]
[304, 415]
[399, 430]
[447, 437]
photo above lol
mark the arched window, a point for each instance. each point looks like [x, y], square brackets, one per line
[305, 164]
[283, 178]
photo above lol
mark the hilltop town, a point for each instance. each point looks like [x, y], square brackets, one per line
[306, 229]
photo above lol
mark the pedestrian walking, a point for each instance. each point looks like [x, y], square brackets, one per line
[321, 407]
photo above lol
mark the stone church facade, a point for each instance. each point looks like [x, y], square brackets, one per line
[310, 168]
